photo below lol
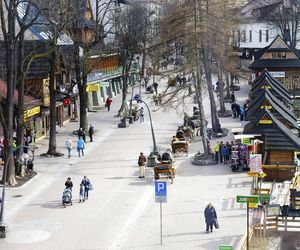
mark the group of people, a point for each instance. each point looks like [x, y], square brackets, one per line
[237, 110]
[84, 188]
[80, 146]
[222, 151]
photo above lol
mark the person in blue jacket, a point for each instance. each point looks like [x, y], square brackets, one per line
[80, 146]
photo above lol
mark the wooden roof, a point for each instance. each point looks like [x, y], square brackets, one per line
[277, 45]
[265, 98]
[276, 88]
[276, 135]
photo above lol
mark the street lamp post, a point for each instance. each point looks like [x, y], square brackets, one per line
[154, 153]
[3, 225]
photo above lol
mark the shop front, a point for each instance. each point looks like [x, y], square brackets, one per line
[33, 123]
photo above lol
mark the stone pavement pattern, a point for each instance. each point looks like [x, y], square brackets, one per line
[121, 212]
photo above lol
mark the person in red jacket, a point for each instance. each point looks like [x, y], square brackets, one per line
[108, 103]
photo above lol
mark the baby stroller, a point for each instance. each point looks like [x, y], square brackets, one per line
[67, 197]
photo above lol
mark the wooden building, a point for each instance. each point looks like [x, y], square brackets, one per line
[271, 117]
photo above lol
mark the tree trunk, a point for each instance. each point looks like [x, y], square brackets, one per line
[10, 44]
[221, 90]
[202, 115]
[81, 80]
[20, 110]
[52, 137]
[213, 106]
[227, 79]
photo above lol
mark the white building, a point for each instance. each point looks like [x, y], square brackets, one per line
[254, 30]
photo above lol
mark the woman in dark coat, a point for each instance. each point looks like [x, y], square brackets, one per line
[210, 216]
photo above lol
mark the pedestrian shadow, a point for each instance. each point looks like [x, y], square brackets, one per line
[50, 204]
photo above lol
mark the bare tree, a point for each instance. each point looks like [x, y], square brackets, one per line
[13, 36]
[131, 35]
[286, 17]
[86, 34]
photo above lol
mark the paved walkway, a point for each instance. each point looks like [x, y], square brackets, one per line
[121, 213]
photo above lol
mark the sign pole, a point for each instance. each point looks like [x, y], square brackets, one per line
[160, 223]
[247, 226]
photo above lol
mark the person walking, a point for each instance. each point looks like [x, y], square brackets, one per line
[232, 97]
[141, 111]
[141, 162]
[155, 86]
[81, 134]
[221, 146]
[108, 103]
[81, 193]
[216, 150]
[80, 146]
[86, 183]
[91, 132]
[69, 145]
[210, 217]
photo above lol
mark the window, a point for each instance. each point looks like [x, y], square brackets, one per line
[267, 36]
[239, 36]
[260, 36]
[250, 36]
[278, 55]
[243, 36]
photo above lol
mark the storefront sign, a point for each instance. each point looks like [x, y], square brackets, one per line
[278, 74]
[247, 199]
[255, 163]
[31, 112]
[92, 87]
[46, 92]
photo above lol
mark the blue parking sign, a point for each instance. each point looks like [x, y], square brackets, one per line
[160, 188]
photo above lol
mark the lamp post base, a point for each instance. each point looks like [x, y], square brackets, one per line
[130, 119]
[3, 230]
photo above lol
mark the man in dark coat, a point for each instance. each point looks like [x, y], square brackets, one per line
[210, 217]
[91, 132]
[155, 85]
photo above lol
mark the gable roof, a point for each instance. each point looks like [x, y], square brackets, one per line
[277, 45]
[277, 88]
[276, 135]
[278, 108]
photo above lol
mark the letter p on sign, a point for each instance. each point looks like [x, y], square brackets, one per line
[160, 188]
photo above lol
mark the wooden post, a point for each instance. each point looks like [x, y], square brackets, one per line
[285, 224]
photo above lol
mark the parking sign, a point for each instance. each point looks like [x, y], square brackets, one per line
[161, 191]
